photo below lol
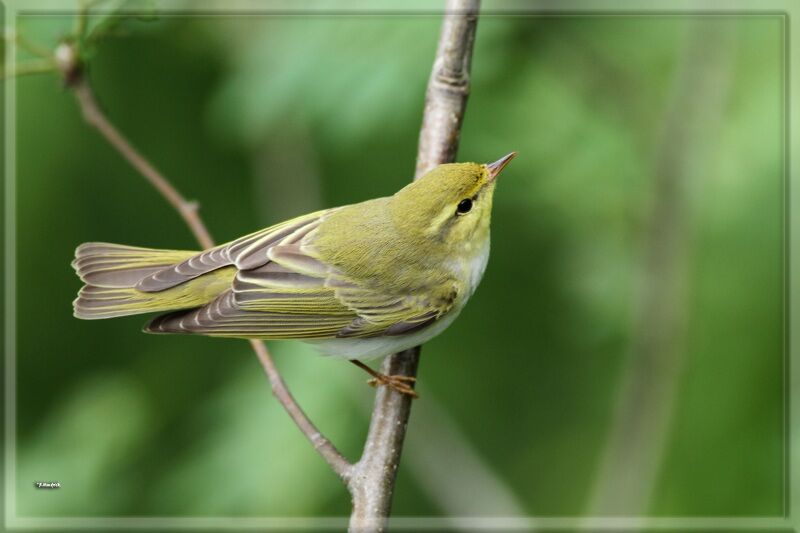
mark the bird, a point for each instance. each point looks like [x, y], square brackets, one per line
[358, 282]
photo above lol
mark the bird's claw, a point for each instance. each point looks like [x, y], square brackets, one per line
[396, 382]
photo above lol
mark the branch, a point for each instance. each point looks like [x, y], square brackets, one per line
[373, 477]
[448, 87]
[95, 117]
[70, 68]
[28, 68]
[324, 447]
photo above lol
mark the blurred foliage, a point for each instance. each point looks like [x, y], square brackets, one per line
[263, 117]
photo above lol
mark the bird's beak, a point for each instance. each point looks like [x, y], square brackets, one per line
[495, 168]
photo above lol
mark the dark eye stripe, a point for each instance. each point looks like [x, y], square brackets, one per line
[464, 206]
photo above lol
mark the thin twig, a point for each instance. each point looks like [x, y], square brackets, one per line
[373, 476]
[31, 47]
[82, 20]
[94, 116]
[31, 67]
[324, 447]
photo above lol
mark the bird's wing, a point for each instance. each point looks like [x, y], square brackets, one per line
[297, 280]
[245, 253]
[295, 294]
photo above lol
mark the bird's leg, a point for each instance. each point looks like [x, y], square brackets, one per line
[400, 383]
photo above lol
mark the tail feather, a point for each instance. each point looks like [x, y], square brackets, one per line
[111, 271]
[116, 265]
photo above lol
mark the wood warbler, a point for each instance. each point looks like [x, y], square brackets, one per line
[359, 281]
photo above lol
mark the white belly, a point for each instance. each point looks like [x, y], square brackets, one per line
[374, 347]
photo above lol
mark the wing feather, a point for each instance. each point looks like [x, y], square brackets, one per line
[246, 253]
[251, 252]
[297, 281]
[223, 317]
[283, 289]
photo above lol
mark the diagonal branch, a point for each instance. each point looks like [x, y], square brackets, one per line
[69, 66]
[373, 476]
[95, 117]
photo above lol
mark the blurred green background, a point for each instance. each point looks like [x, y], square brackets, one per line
[623, 354]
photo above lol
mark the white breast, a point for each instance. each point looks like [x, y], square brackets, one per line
[477, 266]
[375, 347]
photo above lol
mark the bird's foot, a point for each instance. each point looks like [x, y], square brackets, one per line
[398, 382]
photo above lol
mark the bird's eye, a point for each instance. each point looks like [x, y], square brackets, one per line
[464, 206]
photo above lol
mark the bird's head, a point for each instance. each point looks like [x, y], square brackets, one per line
[451, 204]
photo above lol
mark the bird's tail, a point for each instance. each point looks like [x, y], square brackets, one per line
[111, 271]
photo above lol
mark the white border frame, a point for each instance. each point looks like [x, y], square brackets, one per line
[788, 522]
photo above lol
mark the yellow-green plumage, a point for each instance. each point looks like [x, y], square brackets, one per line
[361, 280]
